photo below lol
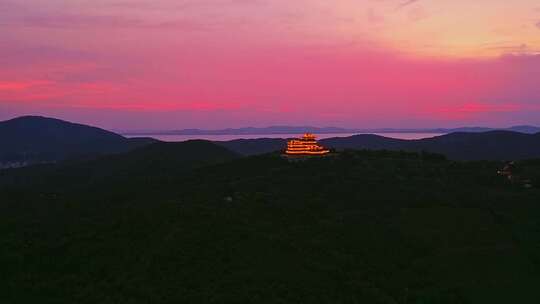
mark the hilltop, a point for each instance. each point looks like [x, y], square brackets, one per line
[491, 145]
[36, 139]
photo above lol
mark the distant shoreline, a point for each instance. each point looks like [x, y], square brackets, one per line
[172, 133]
[229, 137]
[285, 130]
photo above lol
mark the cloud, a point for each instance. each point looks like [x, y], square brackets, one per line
[521, 48]
[81, 21]
[181, 5]
[21, 85]
[407, 3]
[321, 59]
[15, 15]
[508, 48]
[417, 14]
[78, 21]
[16, 54]
[161, 106]
[5, 5]
[474, 110]
[374, 17]
[538, 24]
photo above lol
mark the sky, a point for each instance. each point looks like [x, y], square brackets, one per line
[170, 64]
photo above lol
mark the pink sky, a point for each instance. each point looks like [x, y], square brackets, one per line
[150, 64]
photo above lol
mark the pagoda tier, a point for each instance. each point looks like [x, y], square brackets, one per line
[306, 145]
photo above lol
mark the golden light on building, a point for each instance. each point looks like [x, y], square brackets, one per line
[306, 145]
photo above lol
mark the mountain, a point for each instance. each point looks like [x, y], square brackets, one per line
[245, 131]
[491, 145]
[364, 141]
[32, 139]
[324, 130]
[525, 129]
[248, 147]
[521, 129]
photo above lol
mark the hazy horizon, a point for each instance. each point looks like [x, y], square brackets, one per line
[141, 129]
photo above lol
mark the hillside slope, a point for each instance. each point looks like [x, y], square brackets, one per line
[492, 145]
[158, 161]
[361, 227]
[254, 146]
[39, 139]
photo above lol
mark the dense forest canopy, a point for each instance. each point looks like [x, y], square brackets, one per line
[359, 227]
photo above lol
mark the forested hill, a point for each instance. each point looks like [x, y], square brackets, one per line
[171, 224]
[32, 139]
[492, 145]
[161, 160]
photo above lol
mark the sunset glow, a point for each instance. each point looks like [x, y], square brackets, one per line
[131, 64]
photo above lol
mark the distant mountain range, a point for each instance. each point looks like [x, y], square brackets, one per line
[31, 139]
[324, 130]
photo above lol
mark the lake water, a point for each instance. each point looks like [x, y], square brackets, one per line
[176, 138]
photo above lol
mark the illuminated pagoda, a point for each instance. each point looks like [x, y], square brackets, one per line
[307, 145]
